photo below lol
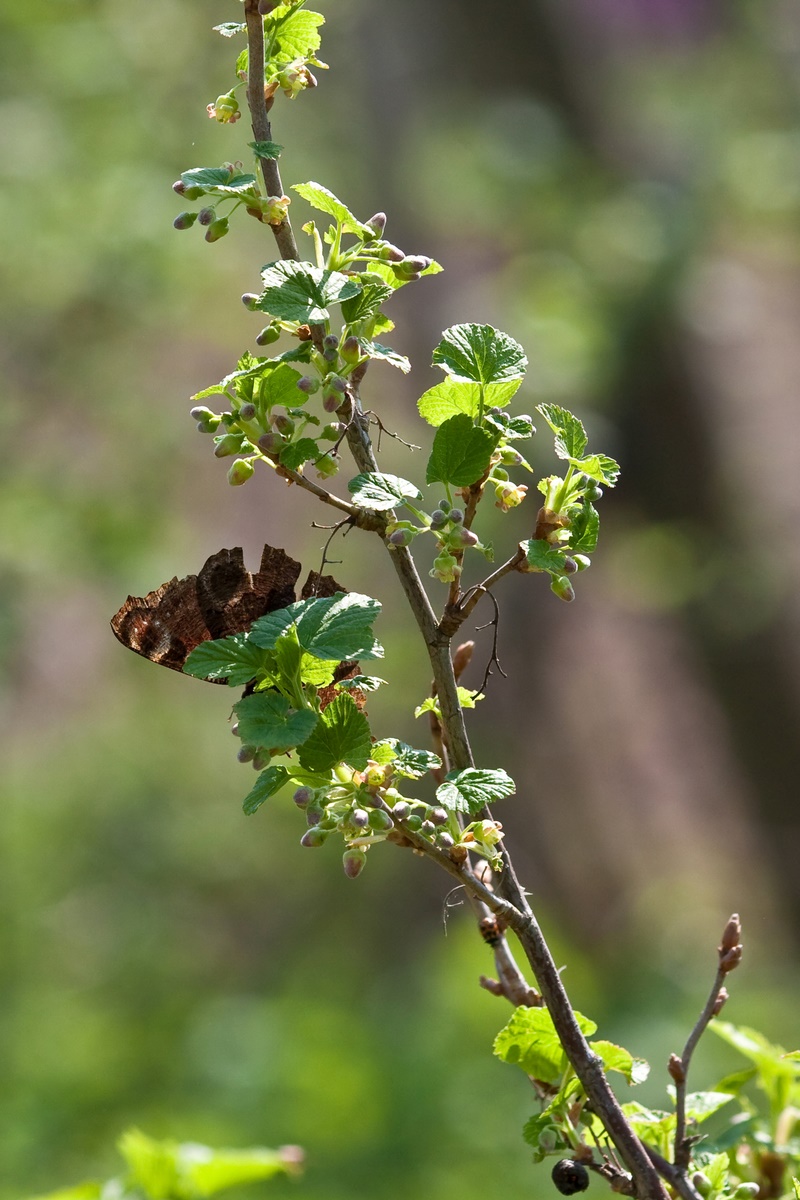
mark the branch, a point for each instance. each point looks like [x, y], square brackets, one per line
[262, 129]
[730, 955]
[357, 516]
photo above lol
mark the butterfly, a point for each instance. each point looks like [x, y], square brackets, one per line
[223, 598]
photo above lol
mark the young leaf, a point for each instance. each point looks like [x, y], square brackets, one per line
[615, 1058]
[268, 783]
[599, 467]
[339, 627]
[384, 271]
[454, 396]
[266, 149]
[267, 721]
[480, 353]
[466, 699]
[152, 1164]
[385, 354]
[364, 683]
[584, 528]
[342, 736]
[471, 790]
[279, 386]
[541, 555]
[405, 760]
[296, 291]
[232, 658]
[267, 629]
[511, 428]
[214, 178]
[530, 1041]
[366, 304]
[302, 451]
[320, 198]
[460, 454]
[230, 28]
[296, 35]
[571, 439]
[208, 1171]
[381, 492]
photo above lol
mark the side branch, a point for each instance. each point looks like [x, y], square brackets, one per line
[259, 119]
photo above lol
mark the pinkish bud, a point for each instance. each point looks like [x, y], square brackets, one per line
[353, 861]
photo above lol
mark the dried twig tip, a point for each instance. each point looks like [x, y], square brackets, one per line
[730, 948]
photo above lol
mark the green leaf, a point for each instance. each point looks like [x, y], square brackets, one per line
[364, 683]
[615, 1058]
[651, 1125]
[320, 198]
[777, 1072]
[471, 790]
[297, 35]
[511, 428]
[796, 1187]
[599, 467]
[736, 1080]
[210, 1171]
[233, 658]
[584, 528]
[716, 1168]
[230, 28]
[480, 353]
[406, 761]
[381, 492]
[339, 627]
[302, 451]
[466, 699]
[318, 671]
[366, 304]
[342, 736]
[267, 722]
[217, 178]
[454, 396]
[266, 149]
[702, 1105]
[384, 271]
[81, 1191]
[460, 454]
[152, 1164]
[267, 629]
[385, 354]
[530, 1041]
[268, 783]
[296, 291]
[541, 555]
[279, 387]
[571, 439]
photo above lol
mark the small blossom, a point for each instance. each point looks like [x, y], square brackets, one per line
[225, 109]
[509, 495]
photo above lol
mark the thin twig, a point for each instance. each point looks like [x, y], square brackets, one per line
[259, 119]
[729, 953]
[361, 517]
[494, 660]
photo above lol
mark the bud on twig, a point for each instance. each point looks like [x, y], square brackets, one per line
[462, 658]
[675, 1068]
[730, 948]
[719, 1004]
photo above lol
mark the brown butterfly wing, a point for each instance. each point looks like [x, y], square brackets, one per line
[222, 599]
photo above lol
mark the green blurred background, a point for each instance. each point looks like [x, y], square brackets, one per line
[616, 183]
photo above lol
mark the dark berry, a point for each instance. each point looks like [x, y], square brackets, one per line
[570, 1177]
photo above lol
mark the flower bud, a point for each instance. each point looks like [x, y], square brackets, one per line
[207, 421]
[582, 562]
[439, 816]
[353, 861]
[330, 342]
[560, 586]
[719, 1003]
[570, 566]
[327, 466]
[268, 335]
[438, 518]
[314, 837]
[284, 424]
[270, 443]
[746, 1191]
[401, 810]
[360, 818]
[235, 729]
[390, 253]
[217, 229]
[250, 301]
[330, 355]
[247, 412]
[246, 754]
[206, 215]
[193, 193]
[593, 491]
[240, 471]
[416, 262]
[468, 538]
[377, 223]
[456, 515]
[179, 186]
[400, 537]
[445, 840]
[414, 822]
[303, 797]
[228, 444]
[731, 935]
[702, 1183]
[350, 350]
[309, 384]
[676, 1069]
[314, 813]
[331, 402]
[427, 828]
[185, 220]
[380, 821]
[329, 433]
[261, 760]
